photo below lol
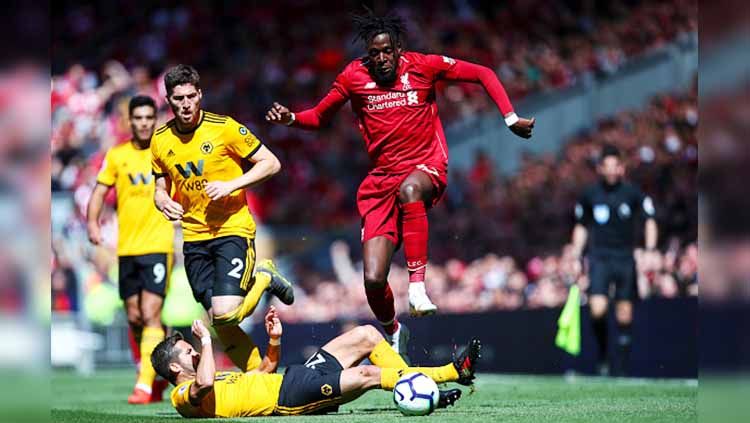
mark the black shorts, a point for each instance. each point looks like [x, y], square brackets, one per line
[311, 388]
[620, 270]
[219, 266]
[148, 272]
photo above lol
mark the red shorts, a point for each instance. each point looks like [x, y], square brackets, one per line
[378, 204]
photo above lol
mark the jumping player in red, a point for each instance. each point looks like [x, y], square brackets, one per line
[392, 92]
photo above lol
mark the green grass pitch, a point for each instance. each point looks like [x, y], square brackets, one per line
[497, 398]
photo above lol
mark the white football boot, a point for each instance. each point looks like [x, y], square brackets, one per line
[419, 303]
[399, 341]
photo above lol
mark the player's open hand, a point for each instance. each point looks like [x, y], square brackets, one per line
[199, 329]
[279, 114]
[523, 127]
[273, 323]
[218, 189]
[171, 209]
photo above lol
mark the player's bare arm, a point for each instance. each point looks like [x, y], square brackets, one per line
[93, 212]
[273, 354]
[171, 209]
[265, 165]
[206, 370]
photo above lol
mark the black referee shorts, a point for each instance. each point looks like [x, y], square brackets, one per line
[219, 266]
[618, 270]
[312, 388]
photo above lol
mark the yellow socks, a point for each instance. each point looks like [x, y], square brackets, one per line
[239, 347]
[384, 356]
[149, 339]
[389, 376]
[246, 308]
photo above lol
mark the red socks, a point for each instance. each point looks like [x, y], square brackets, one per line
[415, 233]
[381, 303]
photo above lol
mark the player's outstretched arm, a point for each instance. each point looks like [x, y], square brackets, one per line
[273, 354]
[93, 211]
[459, 70]
[206, 371]
[317, 116]
[171, 209]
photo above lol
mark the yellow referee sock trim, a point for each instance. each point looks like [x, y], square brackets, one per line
[384, 356]
[246, 308]
[149, 340]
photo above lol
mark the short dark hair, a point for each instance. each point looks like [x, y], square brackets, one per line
[164, 354]
[181, 74]
[609, 150]
[369, 26]
[141, 100]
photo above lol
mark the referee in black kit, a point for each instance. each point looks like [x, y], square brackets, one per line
[607, 216]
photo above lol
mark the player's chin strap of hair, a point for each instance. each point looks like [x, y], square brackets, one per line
[511, 118]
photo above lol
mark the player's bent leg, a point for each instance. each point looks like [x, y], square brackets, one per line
[415, 192]
[351, 347]
[226, 316]
[377, 254]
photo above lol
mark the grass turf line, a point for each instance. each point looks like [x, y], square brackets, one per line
[506, 398]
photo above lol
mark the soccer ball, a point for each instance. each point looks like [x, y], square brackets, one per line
[415, 394]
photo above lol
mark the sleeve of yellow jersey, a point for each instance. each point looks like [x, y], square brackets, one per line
[181, 399]
[157, 167]
[239, 140]
[108, 172]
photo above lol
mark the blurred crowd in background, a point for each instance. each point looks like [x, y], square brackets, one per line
[497, 241]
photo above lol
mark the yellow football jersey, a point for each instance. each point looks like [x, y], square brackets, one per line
[141, 228]
[235, 394]
[213, 151]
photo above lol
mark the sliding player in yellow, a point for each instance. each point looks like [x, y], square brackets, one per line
[144, 240]
[330, 377]
[211, 159]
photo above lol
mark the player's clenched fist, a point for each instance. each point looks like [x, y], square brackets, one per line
[279, 114]
[523, 127]
[273, 323]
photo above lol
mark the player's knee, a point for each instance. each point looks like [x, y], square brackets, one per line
[624, 314]
[368, 336]
[410, 192]
[225, 315]
[374, 279]
[134, 317]
[151, 317]
[598, 307]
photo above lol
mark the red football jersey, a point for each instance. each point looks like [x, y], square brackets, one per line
[400, 123]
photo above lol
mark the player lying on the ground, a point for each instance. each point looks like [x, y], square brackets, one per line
[332, 376]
